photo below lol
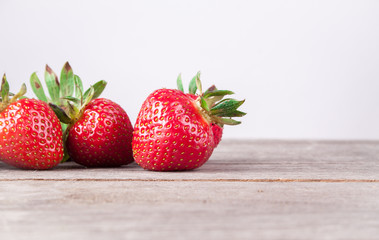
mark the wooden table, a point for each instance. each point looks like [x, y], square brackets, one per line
[247, 190]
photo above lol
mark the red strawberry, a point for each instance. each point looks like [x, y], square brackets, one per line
[217, 133]
[178, 131]
[102, 136]
[98, 131]
[30, 133]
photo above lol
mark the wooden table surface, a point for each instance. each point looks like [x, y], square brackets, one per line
[247, 190]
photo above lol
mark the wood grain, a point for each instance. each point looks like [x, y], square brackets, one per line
[248, 190]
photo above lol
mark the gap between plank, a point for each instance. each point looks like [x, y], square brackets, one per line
[193, 180]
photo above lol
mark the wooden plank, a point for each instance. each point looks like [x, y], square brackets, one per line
[246, 160]
[248, 190]
[188, 210]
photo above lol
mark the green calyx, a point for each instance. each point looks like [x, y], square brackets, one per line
[7, 97]
[67, 98]
[212, 103]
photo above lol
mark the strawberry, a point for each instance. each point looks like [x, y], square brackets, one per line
[178, 131]
[217, 133]
[30, 133]
[102, 136]
[98, 131]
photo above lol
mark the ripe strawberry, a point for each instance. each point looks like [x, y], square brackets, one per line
[98, 131]
[178, 131]
[217, 133]
[102, 136]
[30, 133]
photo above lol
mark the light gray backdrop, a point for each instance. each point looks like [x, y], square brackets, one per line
[308, 69]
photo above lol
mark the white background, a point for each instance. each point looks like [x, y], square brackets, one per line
[307, 69]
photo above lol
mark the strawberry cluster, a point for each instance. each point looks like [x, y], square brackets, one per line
[173, 131]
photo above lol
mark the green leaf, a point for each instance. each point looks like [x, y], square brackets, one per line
[4, 89]
[204, 104]
[226, 101]
[229, 121]
[212, 100]
[52, 84]
[98, 88]
[37, 87]
[72, 99]
[192, 86]
[226, 106]
[210, 89]
[218, 93]
[78, 87]
[65, 136]
[179, 83]
[235, 113]
[61, 114]
[64, 126]
[88, 95]
[20, 93]
[67, 81]
[73, 110]
[66, 157]
[198, 83]
[85, 95]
